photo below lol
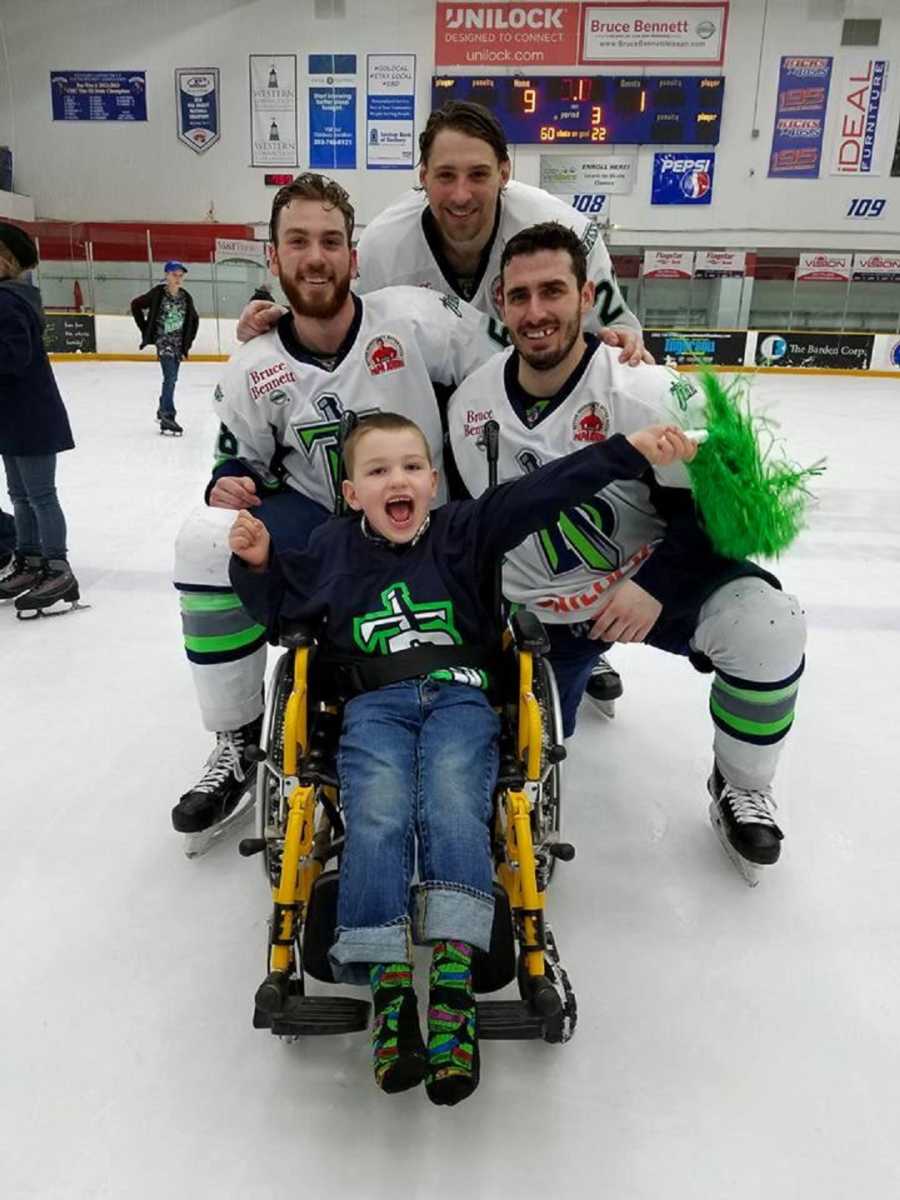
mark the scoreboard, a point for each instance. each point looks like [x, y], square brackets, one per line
[579, 110]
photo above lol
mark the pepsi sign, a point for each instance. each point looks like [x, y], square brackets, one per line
[682, 178]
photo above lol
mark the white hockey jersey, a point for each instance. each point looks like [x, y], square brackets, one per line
[564, 572]
[394, 249]
[280, 410]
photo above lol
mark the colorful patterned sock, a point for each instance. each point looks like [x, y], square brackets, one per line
[453, 1061]
[398, 1049]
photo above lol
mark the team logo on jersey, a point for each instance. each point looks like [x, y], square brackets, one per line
[401, 624]
[384, 354]
[278, 398]
[681, 391]
[453, 303]
[589, 237]
[269, 379]
[590, 423]
[475, 420]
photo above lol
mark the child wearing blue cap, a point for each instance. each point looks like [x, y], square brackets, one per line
[167, 318]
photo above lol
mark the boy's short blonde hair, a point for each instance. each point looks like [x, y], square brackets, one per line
[387, 422]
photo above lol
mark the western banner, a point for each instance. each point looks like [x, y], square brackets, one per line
[273, 110]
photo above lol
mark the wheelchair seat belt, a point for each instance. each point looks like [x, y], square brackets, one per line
[357, 674]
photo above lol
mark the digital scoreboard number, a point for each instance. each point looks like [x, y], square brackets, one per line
[577, 110]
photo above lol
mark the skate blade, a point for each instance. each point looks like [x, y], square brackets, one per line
[197, 844]
[59, 609]
[606, 708]
[751, 873]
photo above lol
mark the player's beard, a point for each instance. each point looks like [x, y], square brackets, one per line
[546, 360]
[321, 309]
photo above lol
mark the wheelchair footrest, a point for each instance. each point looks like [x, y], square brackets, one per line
[508, 1020]
[315, 1016]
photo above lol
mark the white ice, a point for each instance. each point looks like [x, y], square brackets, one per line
[732, 1043]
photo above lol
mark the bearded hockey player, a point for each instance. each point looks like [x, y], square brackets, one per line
[633, 565]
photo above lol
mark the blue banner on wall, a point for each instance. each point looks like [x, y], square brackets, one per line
[197, 100]
[683, 178]
[99, 95]
[800, 117]
[332, 128]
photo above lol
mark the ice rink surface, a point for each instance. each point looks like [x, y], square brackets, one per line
[732, 1043]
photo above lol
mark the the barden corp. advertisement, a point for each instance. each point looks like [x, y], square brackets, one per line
[847, 351]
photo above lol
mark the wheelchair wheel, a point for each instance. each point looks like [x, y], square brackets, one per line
[548, 813]
[270, 810]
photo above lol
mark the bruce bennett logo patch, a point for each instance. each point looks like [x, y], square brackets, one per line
[590, 423]
[384, 354]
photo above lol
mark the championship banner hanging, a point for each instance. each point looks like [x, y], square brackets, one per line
[273, 110]
[860, 89]
[800, 117]
[98, 95]
[197, 103]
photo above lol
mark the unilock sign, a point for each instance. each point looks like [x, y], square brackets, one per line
[876, 268]
[609, 174]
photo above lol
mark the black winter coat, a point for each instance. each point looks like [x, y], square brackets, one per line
[33, 417]
[147, 325]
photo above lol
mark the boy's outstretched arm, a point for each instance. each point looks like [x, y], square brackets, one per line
[504, 516]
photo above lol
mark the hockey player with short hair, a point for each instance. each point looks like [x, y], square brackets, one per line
[633, 565]
[280, 403]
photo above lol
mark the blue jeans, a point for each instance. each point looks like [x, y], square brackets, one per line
[40, 524]
[170, 365]
[417, 761]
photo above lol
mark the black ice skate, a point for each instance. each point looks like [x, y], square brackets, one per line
[604, 687]
[55, 592]
[744, 820]
[224, 794]
[168, 424]
[24, 573]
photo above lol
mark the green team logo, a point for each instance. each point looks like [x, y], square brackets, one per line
[320, 441]
[681, 391]
[401, 624]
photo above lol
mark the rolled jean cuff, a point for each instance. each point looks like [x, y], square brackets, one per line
[452, 911]
[356, 948]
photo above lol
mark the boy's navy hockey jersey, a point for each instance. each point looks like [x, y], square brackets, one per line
[379, 598]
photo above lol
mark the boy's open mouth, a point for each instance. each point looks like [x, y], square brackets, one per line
[399, 511]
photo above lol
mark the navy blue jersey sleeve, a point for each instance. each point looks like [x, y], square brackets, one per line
[504, 516]
[287, 590]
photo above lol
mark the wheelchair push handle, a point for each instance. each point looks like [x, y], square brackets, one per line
[490, 440]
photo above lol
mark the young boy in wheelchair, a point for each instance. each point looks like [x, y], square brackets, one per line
[407, 594]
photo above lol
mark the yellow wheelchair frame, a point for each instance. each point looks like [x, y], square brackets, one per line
[300, 842]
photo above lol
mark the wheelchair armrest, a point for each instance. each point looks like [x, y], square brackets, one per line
[529, 633]
[293, 634]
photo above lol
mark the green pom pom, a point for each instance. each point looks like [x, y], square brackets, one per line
[751, 500]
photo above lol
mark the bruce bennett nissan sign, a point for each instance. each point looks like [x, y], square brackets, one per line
[654, 34]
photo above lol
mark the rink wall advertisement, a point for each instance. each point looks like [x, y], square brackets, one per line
[69, 333]
[273, 110]
[844, 351]
[717, 347]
